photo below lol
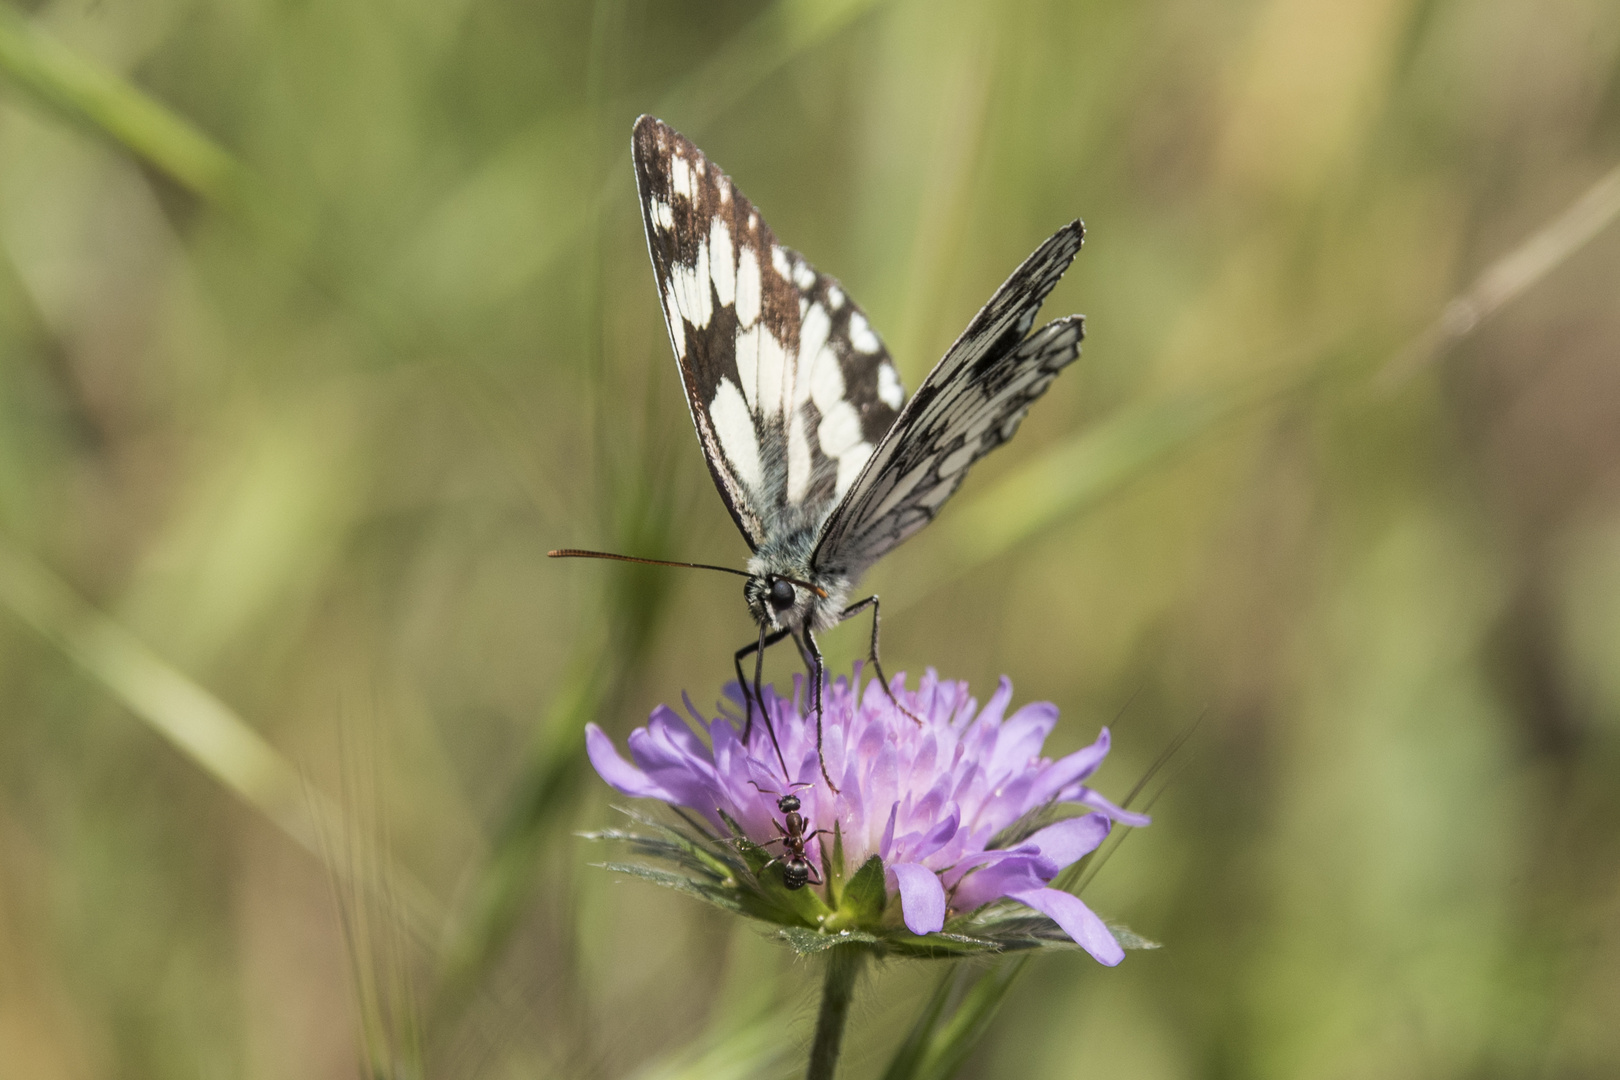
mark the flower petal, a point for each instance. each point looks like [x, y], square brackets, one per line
[1016, 873]
[1022, 734]
[681, 779]
[996, 707]
[1067, 770]
[922, 897]
[979, 858]
[1077, 920]
[1086, 797]
[917, 846]
[618, 772]
[671, 727]
[940, 834]
[1068, 840]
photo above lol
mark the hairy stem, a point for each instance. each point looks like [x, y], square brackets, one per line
[837, 991]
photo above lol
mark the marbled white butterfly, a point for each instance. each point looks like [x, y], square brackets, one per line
[823, 463]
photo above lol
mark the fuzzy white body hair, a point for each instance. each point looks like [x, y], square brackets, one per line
[788, 556]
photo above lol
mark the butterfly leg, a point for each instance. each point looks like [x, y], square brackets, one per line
[753, 696]
[804, 654]
[883, 680]
[808, 643]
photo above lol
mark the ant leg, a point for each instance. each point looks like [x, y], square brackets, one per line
[883, 680]
[815, 678]
[751, 697]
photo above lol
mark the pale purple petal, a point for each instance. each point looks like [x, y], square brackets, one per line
[619, 773]
[922, 898]
[659, 746]
[1077, 920]
[1067, 841]
[1015, 873]
[1077, 766]
[1022, 735]
[922, 765]
[996, 707]
[683, 781]
[1011, 801]
[971, 862]
[670, 725]
[1086, 797]
[917, 846]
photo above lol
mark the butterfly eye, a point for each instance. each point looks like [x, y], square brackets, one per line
[781, 595]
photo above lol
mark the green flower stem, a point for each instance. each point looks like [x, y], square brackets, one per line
[837, 991]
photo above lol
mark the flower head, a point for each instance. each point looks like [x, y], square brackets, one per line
[953, 809]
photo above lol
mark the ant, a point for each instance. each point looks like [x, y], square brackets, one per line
[796, 869]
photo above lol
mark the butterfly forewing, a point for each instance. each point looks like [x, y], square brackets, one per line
[789, 387]
[971, 402]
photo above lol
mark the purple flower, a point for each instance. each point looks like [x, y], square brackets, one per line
[926, 798]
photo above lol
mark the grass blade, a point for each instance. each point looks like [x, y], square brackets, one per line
[197, 723]
[95, 97]
[942, 1039]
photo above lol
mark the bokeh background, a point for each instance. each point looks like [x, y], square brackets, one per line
[320, 322]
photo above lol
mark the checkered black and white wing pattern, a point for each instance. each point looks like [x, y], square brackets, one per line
[971, 403]
[789, 387]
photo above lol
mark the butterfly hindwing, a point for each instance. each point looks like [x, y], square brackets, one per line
[971, 402]
[789, 387]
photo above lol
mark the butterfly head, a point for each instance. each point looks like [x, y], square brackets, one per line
[785, 594]
[777, 602]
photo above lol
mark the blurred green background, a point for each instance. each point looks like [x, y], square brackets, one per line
[320, 322]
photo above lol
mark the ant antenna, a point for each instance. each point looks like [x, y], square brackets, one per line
[768, 791]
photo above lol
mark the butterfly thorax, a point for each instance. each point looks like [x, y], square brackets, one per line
[777, 603]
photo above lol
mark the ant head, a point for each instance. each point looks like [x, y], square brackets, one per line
[788, 804]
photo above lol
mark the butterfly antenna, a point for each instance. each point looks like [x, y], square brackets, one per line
[576, 553]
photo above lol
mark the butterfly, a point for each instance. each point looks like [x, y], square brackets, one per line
[823, 462]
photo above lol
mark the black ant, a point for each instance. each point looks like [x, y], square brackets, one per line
[796, 869]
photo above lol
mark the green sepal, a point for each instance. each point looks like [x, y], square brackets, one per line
[731, 823]
[807, 942]
[861, 904]
[833, 867]
[1130, 939]
[719, 897]
[772, 900]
